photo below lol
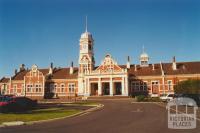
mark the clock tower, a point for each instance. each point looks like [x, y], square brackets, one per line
[86, 61]
[86, 55]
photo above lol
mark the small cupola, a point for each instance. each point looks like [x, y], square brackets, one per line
[144, 59]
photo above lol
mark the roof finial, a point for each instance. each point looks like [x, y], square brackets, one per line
[86, 23]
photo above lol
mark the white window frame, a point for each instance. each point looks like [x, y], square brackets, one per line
[153, 81]
[85, 68]
[22, 91]
[62, 87]
[38, 87]
[145, 84]
[3, 89]
[169, 85]
[71, 86]
[135, 85]
[15, 88]
[29, 86]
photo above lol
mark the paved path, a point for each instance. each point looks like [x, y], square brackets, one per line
[116, 117]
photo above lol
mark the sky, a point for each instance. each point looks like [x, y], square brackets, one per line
[44, 31]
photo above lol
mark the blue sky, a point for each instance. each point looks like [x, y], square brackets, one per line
[44, 31]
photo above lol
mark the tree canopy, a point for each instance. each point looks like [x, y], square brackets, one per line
[191, 86]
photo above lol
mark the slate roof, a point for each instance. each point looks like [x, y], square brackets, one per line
[19, 75]
[145, 71]
[182, 68]
[4, 80]
[58, 73]
[64, 73]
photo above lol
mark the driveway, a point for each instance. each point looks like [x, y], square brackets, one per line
[117, 116]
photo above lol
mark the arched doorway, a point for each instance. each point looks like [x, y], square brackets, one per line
[118, 88]
[94, 89]
[106, 88]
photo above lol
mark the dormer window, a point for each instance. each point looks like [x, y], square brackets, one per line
[144, 63]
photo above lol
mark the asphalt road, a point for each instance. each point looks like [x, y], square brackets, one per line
[117, 116]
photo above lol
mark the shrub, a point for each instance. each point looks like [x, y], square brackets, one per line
[135, 94]
[140, 98]
[143, 98]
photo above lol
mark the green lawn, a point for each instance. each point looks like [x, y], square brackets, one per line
[35, 115]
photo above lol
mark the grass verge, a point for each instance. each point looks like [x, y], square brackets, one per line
[83, 103]
[36, 115]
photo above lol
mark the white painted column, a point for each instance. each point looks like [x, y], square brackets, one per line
[126, 86]
[151, 90]
[81, 86]
[43, 90]
[88, 85]
[10, 85]
[99, 87]
[163, 84]
[123, 87]
[111, 87]
[24, 93]
[85, 87]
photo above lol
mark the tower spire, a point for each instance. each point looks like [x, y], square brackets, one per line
[86, 23]
[143, 48]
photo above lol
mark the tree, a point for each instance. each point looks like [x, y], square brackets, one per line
[191, 86]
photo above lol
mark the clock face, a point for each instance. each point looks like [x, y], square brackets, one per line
[84, 46]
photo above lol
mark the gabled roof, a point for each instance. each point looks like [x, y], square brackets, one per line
[20, 75]
[4, 80]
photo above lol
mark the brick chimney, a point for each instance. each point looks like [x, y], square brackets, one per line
[128, 65]
[71, 71]
[135, 67]
[174, 66]
[153, 67]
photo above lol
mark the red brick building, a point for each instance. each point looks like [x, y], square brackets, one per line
[108, 78]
